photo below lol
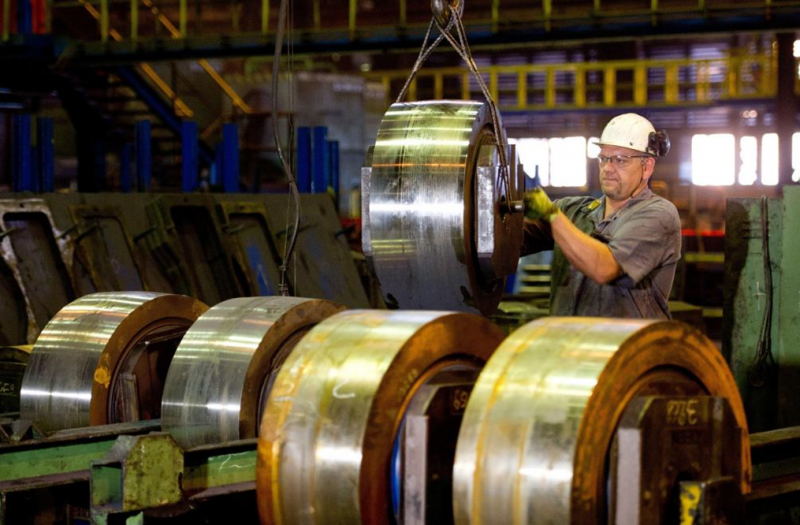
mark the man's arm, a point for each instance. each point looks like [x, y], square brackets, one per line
[588, 255]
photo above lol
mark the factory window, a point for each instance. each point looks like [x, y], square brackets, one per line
[568, 161]
[592, 149]
[748, 155]
[534, 155]
[796, 157]
[769, 159]
[713, 159]
[558, 161]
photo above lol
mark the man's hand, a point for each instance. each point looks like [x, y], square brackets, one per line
[539, 206]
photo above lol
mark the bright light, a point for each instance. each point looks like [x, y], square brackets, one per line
[592, 149]
[796, 157]
[748, 154]
[769, 159]
[796, 48]
[567, 161]
[713, 159]
[533, 153]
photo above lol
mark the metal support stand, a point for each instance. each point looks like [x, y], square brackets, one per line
[677, 454]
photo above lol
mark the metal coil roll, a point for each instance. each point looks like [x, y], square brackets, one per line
[430, 243]
[225, 365]
[326, 437]
[102, 359]
[538, 426]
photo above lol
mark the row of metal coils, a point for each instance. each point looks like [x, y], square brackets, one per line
[327, 391]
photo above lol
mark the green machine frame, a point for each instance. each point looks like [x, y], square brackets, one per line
[757, 314]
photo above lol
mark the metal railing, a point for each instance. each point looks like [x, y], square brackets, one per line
[589, 85]
[354, 19]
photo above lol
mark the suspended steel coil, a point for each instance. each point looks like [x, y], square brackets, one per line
[436, 230]
[225, 366]
[327, 434]
[535, 437]
[103, 358]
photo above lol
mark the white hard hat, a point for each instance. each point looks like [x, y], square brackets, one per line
[629, 131]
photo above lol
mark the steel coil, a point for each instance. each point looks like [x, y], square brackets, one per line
[419, 201]
[102, 359]
[326, 437]
[537, 430]
[225, 365]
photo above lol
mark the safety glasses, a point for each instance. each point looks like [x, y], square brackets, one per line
[618, 161]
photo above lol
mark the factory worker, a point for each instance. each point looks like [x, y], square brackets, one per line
[614, 256]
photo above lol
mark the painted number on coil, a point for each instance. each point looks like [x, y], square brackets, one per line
[7, 389]
[460, 398]
[683, 413]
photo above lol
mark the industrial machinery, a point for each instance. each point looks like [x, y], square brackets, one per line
[57, 247]
[761, 331]
[571, 420]
[379, 417]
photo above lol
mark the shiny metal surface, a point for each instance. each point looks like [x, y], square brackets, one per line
[74, 361]
[533, 444]
[326, 437]
[419, 206]
[215, 381]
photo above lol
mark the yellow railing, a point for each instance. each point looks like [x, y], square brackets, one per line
[596, 84]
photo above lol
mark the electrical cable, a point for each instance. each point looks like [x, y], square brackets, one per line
[287, 168]
[763, 359]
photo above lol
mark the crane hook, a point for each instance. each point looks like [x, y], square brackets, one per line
[441, 10]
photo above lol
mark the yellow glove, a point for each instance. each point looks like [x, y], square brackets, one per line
[539, 206]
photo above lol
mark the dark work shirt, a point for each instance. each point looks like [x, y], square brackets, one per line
[645, 238]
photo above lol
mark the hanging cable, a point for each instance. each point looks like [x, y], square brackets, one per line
[763, 360]
[462, 48]
[287, 167]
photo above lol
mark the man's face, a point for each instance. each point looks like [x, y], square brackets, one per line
[618, 182]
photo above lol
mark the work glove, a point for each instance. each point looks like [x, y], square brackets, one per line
[539, 206]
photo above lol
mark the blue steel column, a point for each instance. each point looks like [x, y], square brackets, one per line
[304, 159]
[216, 167]
[21, 158]
[230, 158]
[125, 161]
[333, 161]
[24, 17]
[143, 155]
[321, 176]
[46, 147]
[189, 153]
